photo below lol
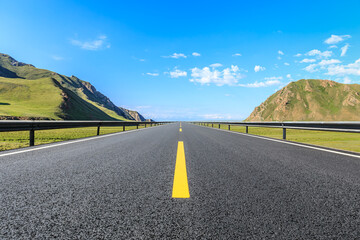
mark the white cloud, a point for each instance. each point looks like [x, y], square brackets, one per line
[279, 58]
[342, 70]
[153, 74]
[228, 76]
[319, 54]
[273, 78]
[333, 46]
[329, 62]
[287, 64]
[57, 58]
[196, 54]
[215, 65]
[97, 44]
[237, 55]
[311, 68]
[344, 49]
[177, 73]
[280, 52]
[322, 65]
[261, 84]
[176, 55]
[334, 39]
[289, 76]
[308, 60]
[347, 80]
[298, 55]
[259, 68]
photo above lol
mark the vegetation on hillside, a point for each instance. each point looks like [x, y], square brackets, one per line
[27, 92]
[311, 100]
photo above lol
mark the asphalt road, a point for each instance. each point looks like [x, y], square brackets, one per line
[120, 187]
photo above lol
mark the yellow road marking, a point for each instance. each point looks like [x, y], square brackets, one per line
[180, 185]
[180, 130]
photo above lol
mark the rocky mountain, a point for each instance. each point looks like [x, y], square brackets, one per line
[27, 92]
[136, 115]
[311, 100]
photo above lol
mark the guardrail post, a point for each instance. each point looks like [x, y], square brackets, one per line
[247, 129]
[124, 128]
[219, 125]
[32, 137]
[98, 130]
[137, 126]
[284, 133]
[212, 125]
[145, 125]
[229, 127]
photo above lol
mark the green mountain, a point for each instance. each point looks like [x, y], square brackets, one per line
[311, 100]
[27, 92]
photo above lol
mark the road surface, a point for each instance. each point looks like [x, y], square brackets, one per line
[229, 186]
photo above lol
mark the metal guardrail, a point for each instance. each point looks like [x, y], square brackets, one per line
[353, 127]
[31, 126]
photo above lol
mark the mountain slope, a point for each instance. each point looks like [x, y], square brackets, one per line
[71, 97]
[311, 100]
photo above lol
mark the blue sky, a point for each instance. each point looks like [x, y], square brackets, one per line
[186, 60]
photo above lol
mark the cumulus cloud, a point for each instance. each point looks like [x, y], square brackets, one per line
[342, 70]
[287, 64]
[328, 62]
[344, 50]
[333, 46]
[237, 55]
[196, 54]
[308, 60]
[321, 65]
[319, 54]
[289, 76]
[311, 68]
[228, 76]
[259, 68]
[96, 44]
[215, 65]
[334, 39]
[280, 52]
[177, 73]
[176, 55]
[298, 55]
[152, 74]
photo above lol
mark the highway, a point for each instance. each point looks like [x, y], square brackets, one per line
[227, 186]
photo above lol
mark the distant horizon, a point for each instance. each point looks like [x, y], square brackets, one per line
[187, 61]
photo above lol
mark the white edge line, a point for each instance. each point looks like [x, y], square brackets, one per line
[71, 141]
[290, 143]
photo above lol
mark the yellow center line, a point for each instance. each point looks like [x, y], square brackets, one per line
[180, 185]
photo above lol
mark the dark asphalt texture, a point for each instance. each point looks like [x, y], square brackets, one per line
[119, 187]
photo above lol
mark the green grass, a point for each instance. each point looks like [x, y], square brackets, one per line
[13, 140]
[338, 140]
[25, 98]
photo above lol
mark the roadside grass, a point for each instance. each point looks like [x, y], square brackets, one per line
[13, 140]
[337, 140]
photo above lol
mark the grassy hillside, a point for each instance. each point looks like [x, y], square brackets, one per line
[31, 93]
[311, 100]
[24, 98]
